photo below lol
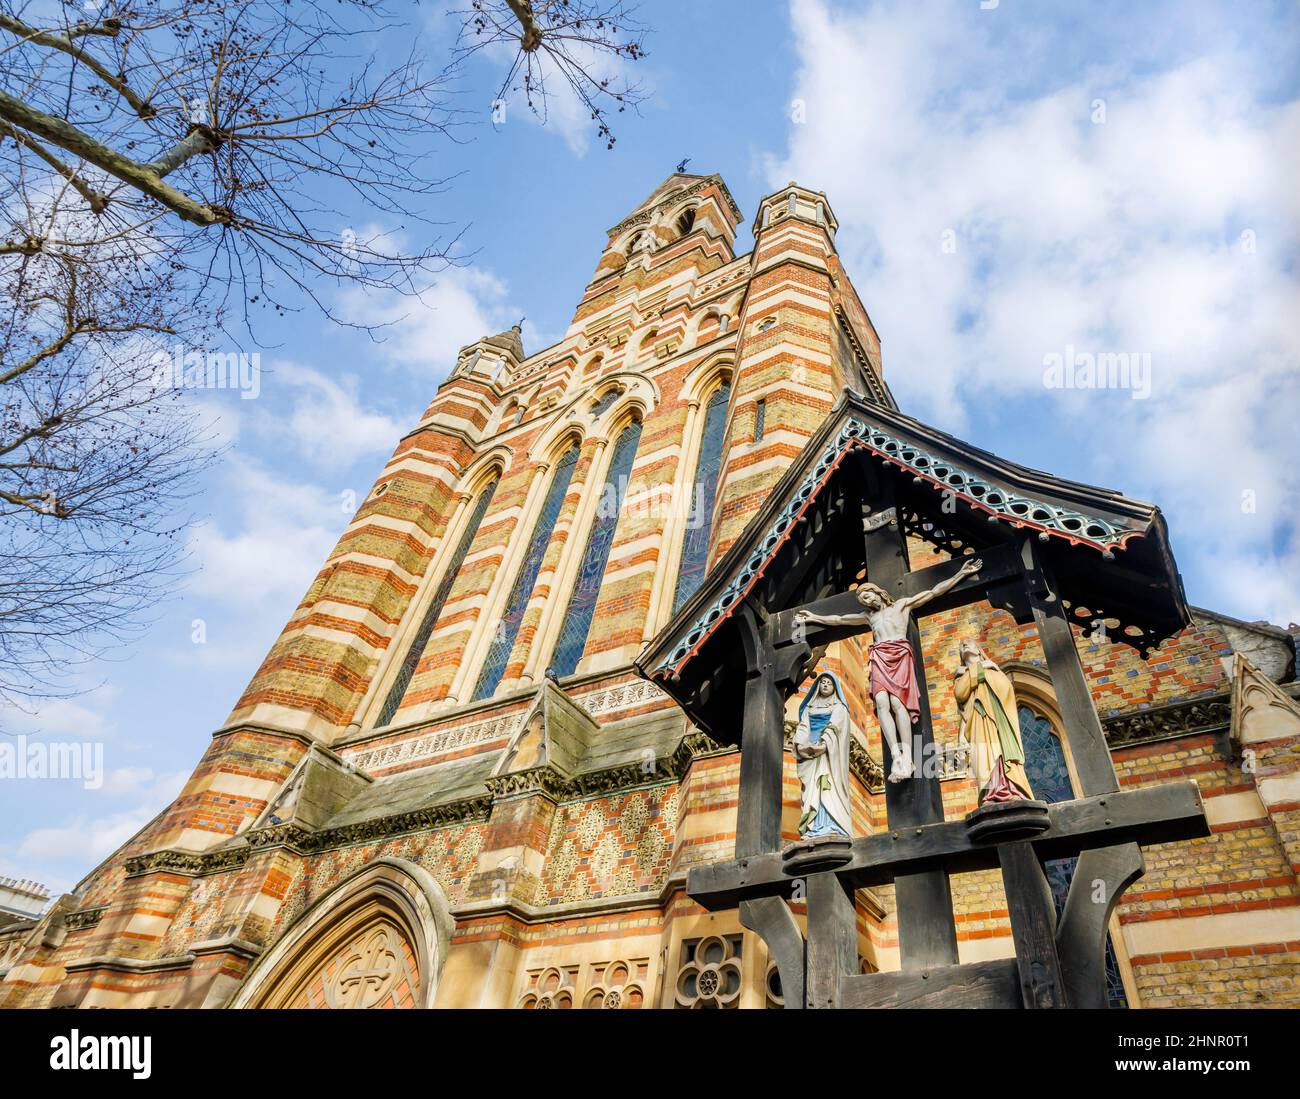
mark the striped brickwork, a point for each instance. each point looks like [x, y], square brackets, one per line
[572, 895]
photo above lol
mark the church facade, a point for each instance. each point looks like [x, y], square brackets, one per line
[450, 784]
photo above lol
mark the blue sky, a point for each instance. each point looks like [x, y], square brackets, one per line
[1011, 181]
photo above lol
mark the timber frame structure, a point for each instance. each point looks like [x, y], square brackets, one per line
[1054, 553]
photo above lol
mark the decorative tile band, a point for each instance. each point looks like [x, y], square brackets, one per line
[437, 743]
[624, 696]
[305, 841]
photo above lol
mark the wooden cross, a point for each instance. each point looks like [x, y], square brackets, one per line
[1055, 965]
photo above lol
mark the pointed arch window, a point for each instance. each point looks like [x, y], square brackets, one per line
[1050, 778]
[494, 666]
[608, 398]
[412, 659]
[695, 546]
[591, 573]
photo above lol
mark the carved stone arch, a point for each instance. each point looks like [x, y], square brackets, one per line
[484, 468]
[690, 207]
[561, 424]
[378, 939]
[639, 349]
[505, 414]
[637, 238]
[702, 380]
[634, 381]
[627, 408]
[575, 417]
[705, 325]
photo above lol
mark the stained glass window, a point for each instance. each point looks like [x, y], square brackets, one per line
[507, 629]
[601, 405]
[430, 619]
[695, 546]
[1050, 779]
[582, 604]
[760, 419]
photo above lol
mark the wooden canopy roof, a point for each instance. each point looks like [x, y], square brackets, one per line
[1109, 554]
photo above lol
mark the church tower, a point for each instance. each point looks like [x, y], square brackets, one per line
[451, 761]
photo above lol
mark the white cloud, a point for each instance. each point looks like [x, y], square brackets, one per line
[59, 855]
[283, 531]
[144, 784]
[424, 333]
[83, 717]
[1119, 236]
[325, 419]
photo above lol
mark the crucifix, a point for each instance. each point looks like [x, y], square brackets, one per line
[893, 667]
[1055, 963]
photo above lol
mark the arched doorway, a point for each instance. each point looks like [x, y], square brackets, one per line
[377, 940]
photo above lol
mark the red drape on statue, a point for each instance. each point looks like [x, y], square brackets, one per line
[894, 671]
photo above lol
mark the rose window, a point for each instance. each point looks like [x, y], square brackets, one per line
[710, 974]
[618, 985]
[552, 989]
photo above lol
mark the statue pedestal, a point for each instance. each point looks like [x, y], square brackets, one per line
[810, 856]
[1008, 820]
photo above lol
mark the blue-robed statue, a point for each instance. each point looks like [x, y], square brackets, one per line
[821, 749]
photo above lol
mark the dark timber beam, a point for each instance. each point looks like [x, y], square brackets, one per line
[762, 754]
[1001, 563]
[1152, 814]
[1101, 876]
[760, 798]
[832, 950]
[992, 984]
[772, 921]
[928, 935]
[1033, 926]
[1082, 727]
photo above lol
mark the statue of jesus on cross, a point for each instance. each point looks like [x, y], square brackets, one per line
[893, 669]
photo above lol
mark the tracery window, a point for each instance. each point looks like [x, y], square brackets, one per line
[591, 573]
[695, 545]
[618, 984]
[507, 630]
[413, 654]
[607, 398]
[1050, 778]
[773, 996]
[709, 976]
[551, 989]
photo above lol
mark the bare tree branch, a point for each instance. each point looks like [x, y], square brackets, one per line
[583, 43]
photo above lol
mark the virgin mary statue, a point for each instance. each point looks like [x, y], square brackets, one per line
[821, 749]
